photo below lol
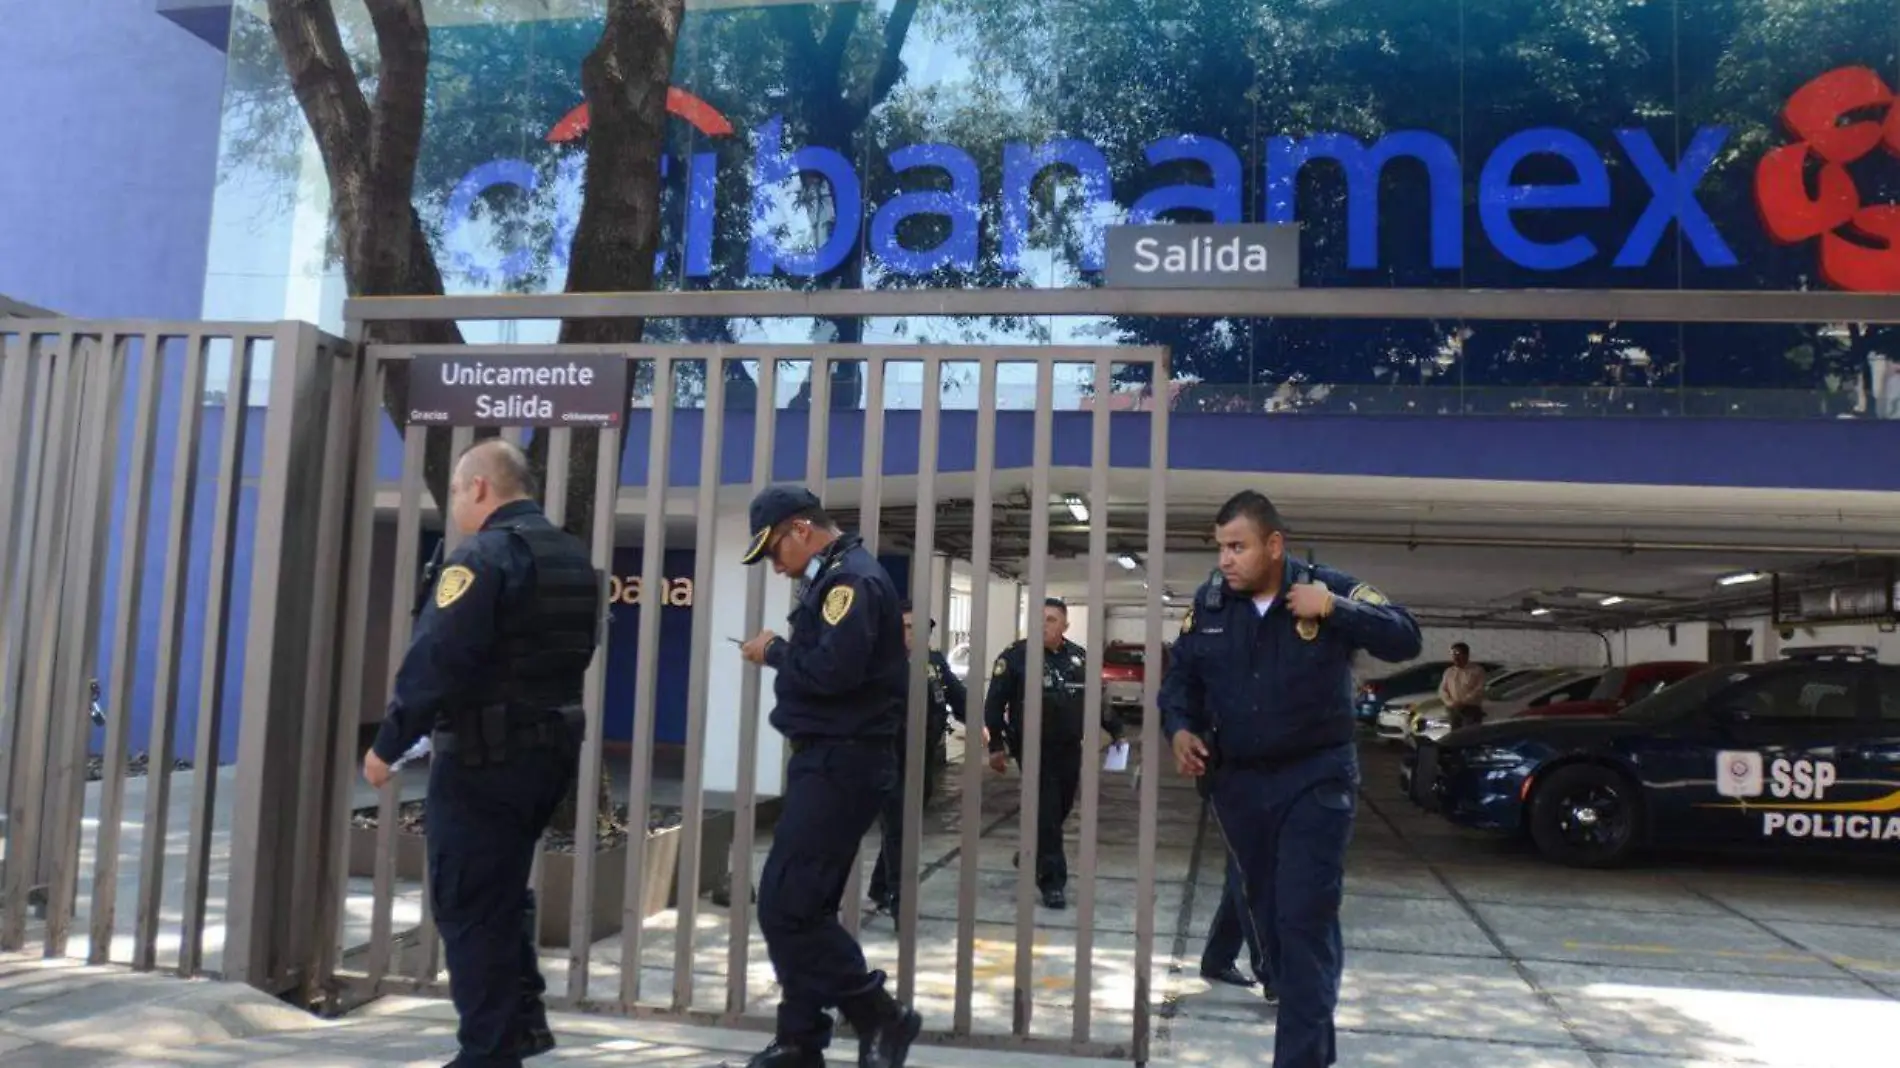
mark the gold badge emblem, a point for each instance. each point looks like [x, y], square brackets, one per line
[1187, 621]
[1363, 592]
[838, 603]
[455, 582]
[1307, 628]
[1000, 668]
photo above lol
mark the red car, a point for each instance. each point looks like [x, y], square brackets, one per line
[1123, 674]
[1620, 687]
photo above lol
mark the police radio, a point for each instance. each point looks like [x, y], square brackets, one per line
[429, 572]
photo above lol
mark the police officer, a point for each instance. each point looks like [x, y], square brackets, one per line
[1065, 691]
[1259, 696]
[841, 683]
[495, 669]
[945, 700]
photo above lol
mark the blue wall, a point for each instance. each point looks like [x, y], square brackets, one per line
[1756, 453]
[106, 187]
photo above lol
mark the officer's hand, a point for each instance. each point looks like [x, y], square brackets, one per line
[999, 761]
[1190, 754]
[375, 770]
[1309, 600]
[754, 650]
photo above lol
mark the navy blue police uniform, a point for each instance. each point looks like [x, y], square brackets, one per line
[945, 700]
[1271, 696]
[1064, 696]
[495, 671]
[841, 683]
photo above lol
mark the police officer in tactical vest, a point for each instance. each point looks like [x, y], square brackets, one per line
[1064, 695]
[841, 681]
[1257, 702]
[944, 701]
[494, 669]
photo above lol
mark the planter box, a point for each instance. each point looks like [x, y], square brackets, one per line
[660, 880]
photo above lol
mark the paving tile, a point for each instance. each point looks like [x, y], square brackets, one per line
[1409, 926]
[1720, 944]
[1538, 883]
[1873, 953]
[1701, 1016]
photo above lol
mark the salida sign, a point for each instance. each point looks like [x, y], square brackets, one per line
[1860, 245]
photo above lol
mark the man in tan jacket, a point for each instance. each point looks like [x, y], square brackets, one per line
[1462, 689]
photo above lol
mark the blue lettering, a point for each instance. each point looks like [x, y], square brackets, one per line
[960, 205]
[1286, 156]
[781, 173]
[1498, 198]
[1674, 198]
[1221, 201]
[461, 213]
[569, 178]
[771, 169]
[702, 188]
[1022, 165]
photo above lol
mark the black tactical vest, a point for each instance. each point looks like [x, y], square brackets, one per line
[546, 648]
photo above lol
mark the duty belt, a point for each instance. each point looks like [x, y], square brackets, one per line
[799, 745]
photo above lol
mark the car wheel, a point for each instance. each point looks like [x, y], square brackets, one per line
[1586, 816]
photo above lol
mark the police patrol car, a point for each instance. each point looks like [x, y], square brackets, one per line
[1796, 754]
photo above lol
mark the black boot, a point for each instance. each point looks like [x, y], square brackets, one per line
[784, 1054]
[887, 1044]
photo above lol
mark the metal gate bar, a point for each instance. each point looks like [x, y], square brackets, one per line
[664, 361]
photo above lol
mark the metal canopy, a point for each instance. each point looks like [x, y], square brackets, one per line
[1571, 305]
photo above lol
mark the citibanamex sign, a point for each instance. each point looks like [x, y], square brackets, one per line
[1859, 243]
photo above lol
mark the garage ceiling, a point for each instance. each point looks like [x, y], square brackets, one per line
[1464, 552]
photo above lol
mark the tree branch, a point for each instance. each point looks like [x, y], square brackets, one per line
[395, 143]
[325, 85]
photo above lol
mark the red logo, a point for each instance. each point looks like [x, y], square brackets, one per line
[703, 116]
[1860, 246]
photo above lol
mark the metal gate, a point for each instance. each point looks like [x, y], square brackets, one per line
[403, 954]
[166, 415]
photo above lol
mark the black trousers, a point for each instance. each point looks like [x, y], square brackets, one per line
[1059, 783]
[482, 827]
[833, 793]
[886, 878]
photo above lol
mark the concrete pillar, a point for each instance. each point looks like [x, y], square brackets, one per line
[727, 604]
[941, 606]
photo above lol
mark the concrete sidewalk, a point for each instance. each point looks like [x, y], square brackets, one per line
[57, 1014]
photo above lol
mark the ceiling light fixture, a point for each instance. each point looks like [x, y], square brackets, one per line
[1540, 611]
[1743, 577]
[1611, 600]
[1077, 508]
[1128, 562]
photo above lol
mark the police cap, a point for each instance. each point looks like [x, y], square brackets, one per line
[774, 505]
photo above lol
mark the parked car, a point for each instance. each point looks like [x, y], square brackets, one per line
[1782, 757]
[1403, 689]
[1503, 697]
[1394, 723]
[1555, 687]
[1123, 675]
[1624, 686]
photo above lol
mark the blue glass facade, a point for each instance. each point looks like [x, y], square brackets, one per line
[1435, 143]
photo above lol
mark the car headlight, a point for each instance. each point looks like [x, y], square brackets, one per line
[1486, 756]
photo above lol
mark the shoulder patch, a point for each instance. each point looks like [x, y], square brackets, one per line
[1187, 621]
[455, 582]
[838, 604]
[1367, 594]
[1002, 666]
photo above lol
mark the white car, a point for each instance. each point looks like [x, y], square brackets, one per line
[1547, 688]
[1395, 716]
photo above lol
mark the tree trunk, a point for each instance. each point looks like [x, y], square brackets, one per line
[369, 154]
